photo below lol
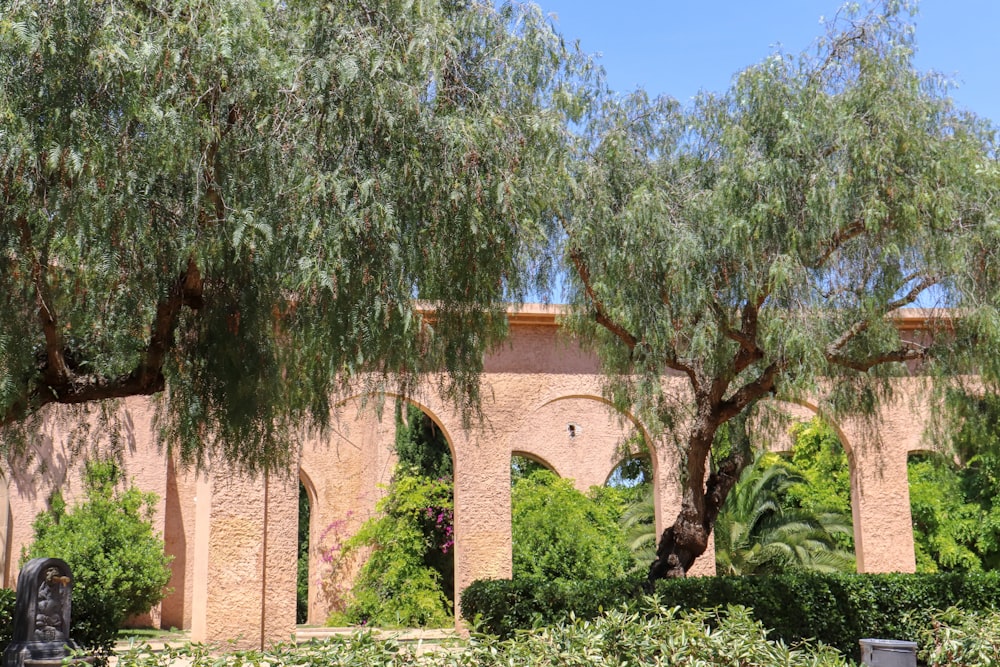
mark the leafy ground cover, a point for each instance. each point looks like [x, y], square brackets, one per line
[658, 636]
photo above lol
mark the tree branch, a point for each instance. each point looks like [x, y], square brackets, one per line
[146, 379]
[834, 349]
[837, 241]
[914, 352]
[751, 391]
[927, 281]
[56, 370]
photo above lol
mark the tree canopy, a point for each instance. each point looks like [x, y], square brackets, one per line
[241, 201]
[757, 243]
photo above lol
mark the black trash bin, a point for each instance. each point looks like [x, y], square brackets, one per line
[888, 653]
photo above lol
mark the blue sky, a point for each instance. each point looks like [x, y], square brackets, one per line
[679, 47]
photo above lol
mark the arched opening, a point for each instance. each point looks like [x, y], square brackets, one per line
[523, 465]
[791, 508]
[630, 486]
[302, 576]
[559, 532]
[400, 560]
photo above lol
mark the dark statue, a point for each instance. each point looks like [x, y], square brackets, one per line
[41, 615]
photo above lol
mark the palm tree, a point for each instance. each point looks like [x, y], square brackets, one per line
[639, 523]
[757, 531]
[757, 534]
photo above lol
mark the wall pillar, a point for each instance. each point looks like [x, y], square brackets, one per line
[880, 492]
[6, 533]
[246, 543]
[482, 512]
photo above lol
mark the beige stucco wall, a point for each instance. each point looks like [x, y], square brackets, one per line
[233, 538]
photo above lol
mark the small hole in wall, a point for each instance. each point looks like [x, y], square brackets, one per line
[571, 429]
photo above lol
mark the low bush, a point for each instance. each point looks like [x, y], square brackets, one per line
[118, 563]
[956, 637]
[7, 599]
[654, 634]
[840, 609]
[501, 606]
[837, 609]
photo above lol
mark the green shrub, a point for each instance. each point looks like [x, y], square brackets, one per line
[501, 606]
[118, 564]
[400, 585]
[840, 609]
[654, 635]
[559, 533]
[956, 637]
[7, 599]
[837, 609]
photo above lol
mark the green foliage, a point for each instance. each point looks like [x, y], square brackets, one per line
[302, 563]
[242, 199]
[958, 637]
[503, 606]
[409, 577]
[839, 609]
[972, 425]
[522, 467]
[836, 609]
[639, 523]
[946, 527]
[819, 457]
[399, 585]
[118, 564]
[420, 444]
[757, 532]
[559, 533]
[7, 600]
[656, 636]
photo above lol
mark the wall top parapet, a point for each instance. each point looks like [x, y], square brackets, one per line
[906, 319]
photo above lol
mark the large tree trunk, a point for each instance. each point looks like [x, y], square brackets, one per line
[687, 539]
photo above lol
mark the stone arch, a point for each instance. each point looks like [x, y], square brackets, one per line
[880, 499]
[345, 471]
[560, 429]
[534, 457]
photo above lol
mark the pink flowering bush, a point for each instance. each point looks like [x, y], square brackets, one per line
[404, 581]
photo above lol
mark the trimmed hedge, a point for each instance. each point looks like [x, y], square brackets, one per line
[837, 609]
[501, 606]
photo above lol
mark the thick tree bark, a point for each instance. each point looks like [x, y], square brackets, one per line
[687, 539]
[65, 385]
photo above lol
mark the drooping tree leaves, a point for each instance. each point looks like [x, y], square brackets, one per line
[246, 202]
[756, 243]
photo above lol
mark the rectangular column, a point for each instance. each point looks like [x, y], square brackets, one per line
[245, 559]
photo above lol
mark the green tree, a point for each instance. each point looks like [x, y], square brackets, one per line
[639, 523]
[758, 532]
[756, 243]
[420, 444]
[819, 457]
[240, 200]
[947, 528]
[118, 563]
[559, 533]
